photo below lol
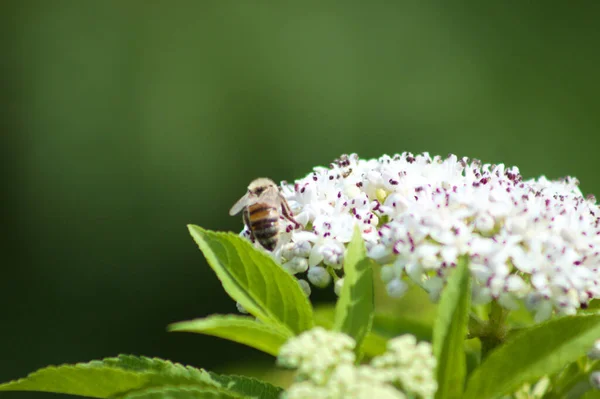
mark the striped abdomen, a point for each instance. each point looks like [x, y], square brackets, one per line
[263, 220]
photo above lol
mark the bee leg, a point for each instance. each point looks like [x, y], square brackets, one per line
[247, 223]
[287, 213]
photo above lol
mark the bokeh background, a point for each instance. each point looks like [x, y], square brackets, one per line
[122, 121]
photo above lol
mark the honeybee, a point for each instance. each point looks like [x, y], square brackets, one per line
[262, 206]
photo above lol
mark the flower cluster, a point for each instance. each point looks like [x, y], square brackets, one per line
[409, 364]
[347, 382]
[317, 353]
[534, 240]
[326, 370]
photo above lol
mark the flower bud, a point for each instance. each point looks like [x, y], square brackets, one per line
[305, 286]
[296, 265]
[387, 273]
[319, 277]
[396, 288]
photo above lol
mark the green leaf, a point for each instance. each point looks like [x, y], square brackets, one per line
[180, 392]
[591, 394]
[374, 345]
[249, 387]
[389, 325]
[252, 278]
[354, 308]
[450, 332]
[243, 329]
[537, 351]
[594, 304]
[324, 315]
[123, 375]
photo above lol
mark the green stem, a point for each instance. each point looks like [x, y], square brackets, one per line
[491, 332]
[333, 274]
[477, 327]
[496, 329]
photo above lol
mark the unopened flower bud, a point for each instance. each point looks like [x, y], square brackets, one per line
[319, 277]
[396, 288]
[305, 286]
[387, 273]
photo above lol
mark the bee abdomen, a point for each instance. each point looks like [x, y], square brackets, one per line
[264, 223]
[265, 229]
[260, 208]
[266, 232]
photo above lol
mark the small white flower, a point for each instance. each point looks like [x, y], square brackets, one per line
[539, 305]
[387, 273]
[409, 364]
[328, 252]
[396, 288]
[315, 353]
[296, 265]
[434, 286]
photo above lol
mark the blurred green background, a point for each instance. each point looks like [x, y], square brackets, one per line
[122, 121]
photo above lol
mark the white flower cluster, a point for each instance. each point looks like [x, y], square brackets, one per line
[346, 382]
[316, 353]
[409, 364]
[326, 370]
[536, 240]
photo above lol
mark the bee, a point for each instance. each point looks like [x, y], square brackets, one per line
[262, 206]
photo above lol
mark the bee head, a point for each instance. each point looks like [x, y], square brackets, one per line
[258, 186]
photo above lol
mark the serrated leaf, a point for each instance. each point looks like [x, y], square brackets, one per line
[537, 351]
[180, 392]
[354, 308]
[450, 331]
[123, 375]
[252, 278]
[249, 387]
[243, 329]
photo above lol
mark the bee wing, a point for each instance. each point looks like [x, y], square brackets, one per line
[238, 206]
[270, 196]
